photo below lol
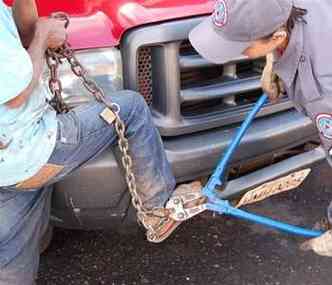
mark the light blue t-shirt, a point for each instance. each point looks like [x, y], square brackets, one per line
[30, 129]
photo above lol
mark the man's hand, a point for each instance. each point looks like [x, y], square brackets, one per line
[53, 31]
[271, 83]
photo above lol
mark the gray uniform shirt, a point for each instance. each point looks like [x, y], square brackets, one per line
[306, 66]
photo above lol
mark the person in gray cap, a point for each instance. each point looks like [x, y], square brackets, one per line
[39, 147]
[293, 31]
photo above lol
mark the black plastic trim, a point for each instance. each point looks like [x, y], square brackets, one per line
[165, 40]
[188, 62]
[241, 185]
[220, 90]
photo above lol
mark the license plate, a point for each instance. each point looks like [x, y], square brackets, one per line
[269, 189]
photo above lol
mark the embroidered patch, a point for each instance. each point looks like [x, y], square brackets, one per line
[324, 125]
[220, 14]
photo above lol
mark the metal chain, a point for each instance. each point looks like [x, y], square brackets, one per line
[54, 59]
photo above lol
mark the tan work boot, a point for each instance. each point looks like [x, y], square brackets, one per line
[163, 227]
[321, 245]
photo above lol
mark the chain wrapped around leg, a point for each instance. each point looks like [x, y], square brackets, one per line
[111, 115]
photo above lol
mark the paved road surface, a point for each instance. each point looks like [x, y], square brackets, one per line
[205, 251]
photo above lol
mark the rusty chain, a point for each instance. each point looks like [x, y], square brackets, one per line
[54, 59]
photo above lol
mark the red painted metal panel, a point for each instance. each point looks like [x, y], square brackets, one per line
[101, 23]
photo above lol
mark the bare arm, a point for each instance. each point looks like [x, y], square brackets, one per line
[26, 16]
[36, 51]
[48, 33]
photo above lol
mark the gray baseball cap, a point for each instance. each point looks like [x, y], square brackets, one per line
[234, 24]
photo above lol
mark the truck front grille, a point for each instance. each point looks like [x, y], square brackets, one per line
[207, 88]
[185, 92]
[144, 73]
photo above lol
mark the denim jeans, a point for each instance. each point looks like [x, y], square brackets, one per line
[82, 135]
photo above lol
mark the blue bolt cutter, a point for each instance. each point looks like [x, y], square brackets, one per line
[217, 180]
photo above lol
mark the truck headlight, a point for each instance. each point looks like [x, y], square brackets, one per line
[103, 65]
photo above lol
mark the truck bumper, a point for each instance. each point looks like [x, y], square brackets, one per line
[95, 195]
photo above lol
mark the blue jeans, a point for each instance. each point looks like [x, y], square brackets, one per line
[82, 135]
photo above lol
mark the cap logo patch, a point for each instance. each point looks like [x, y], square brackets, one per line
[324, 125]
[220, 14]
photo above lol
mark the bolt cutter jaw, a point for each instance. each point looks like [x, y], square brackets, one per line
[186, 206]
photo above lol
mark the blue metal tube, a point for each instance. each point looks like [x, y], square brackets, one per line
[218, 176]
[217, 179]
[264, 221]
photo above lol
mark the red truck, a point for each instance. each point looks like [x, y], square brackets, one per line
[143, 45]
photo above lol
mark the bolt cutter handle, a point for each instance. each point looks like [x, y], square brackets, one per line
[218, 177]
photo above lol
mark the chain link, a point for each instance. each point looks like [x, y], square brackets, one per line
[57, 57]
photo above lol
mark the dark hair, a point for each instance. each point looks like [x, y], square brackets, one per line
[296, 16]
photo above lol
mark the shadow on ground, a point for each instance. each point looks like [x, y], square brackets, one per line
[207, 250]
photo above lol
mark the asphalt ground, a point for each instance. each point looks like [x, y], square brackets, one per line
[206, 250]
